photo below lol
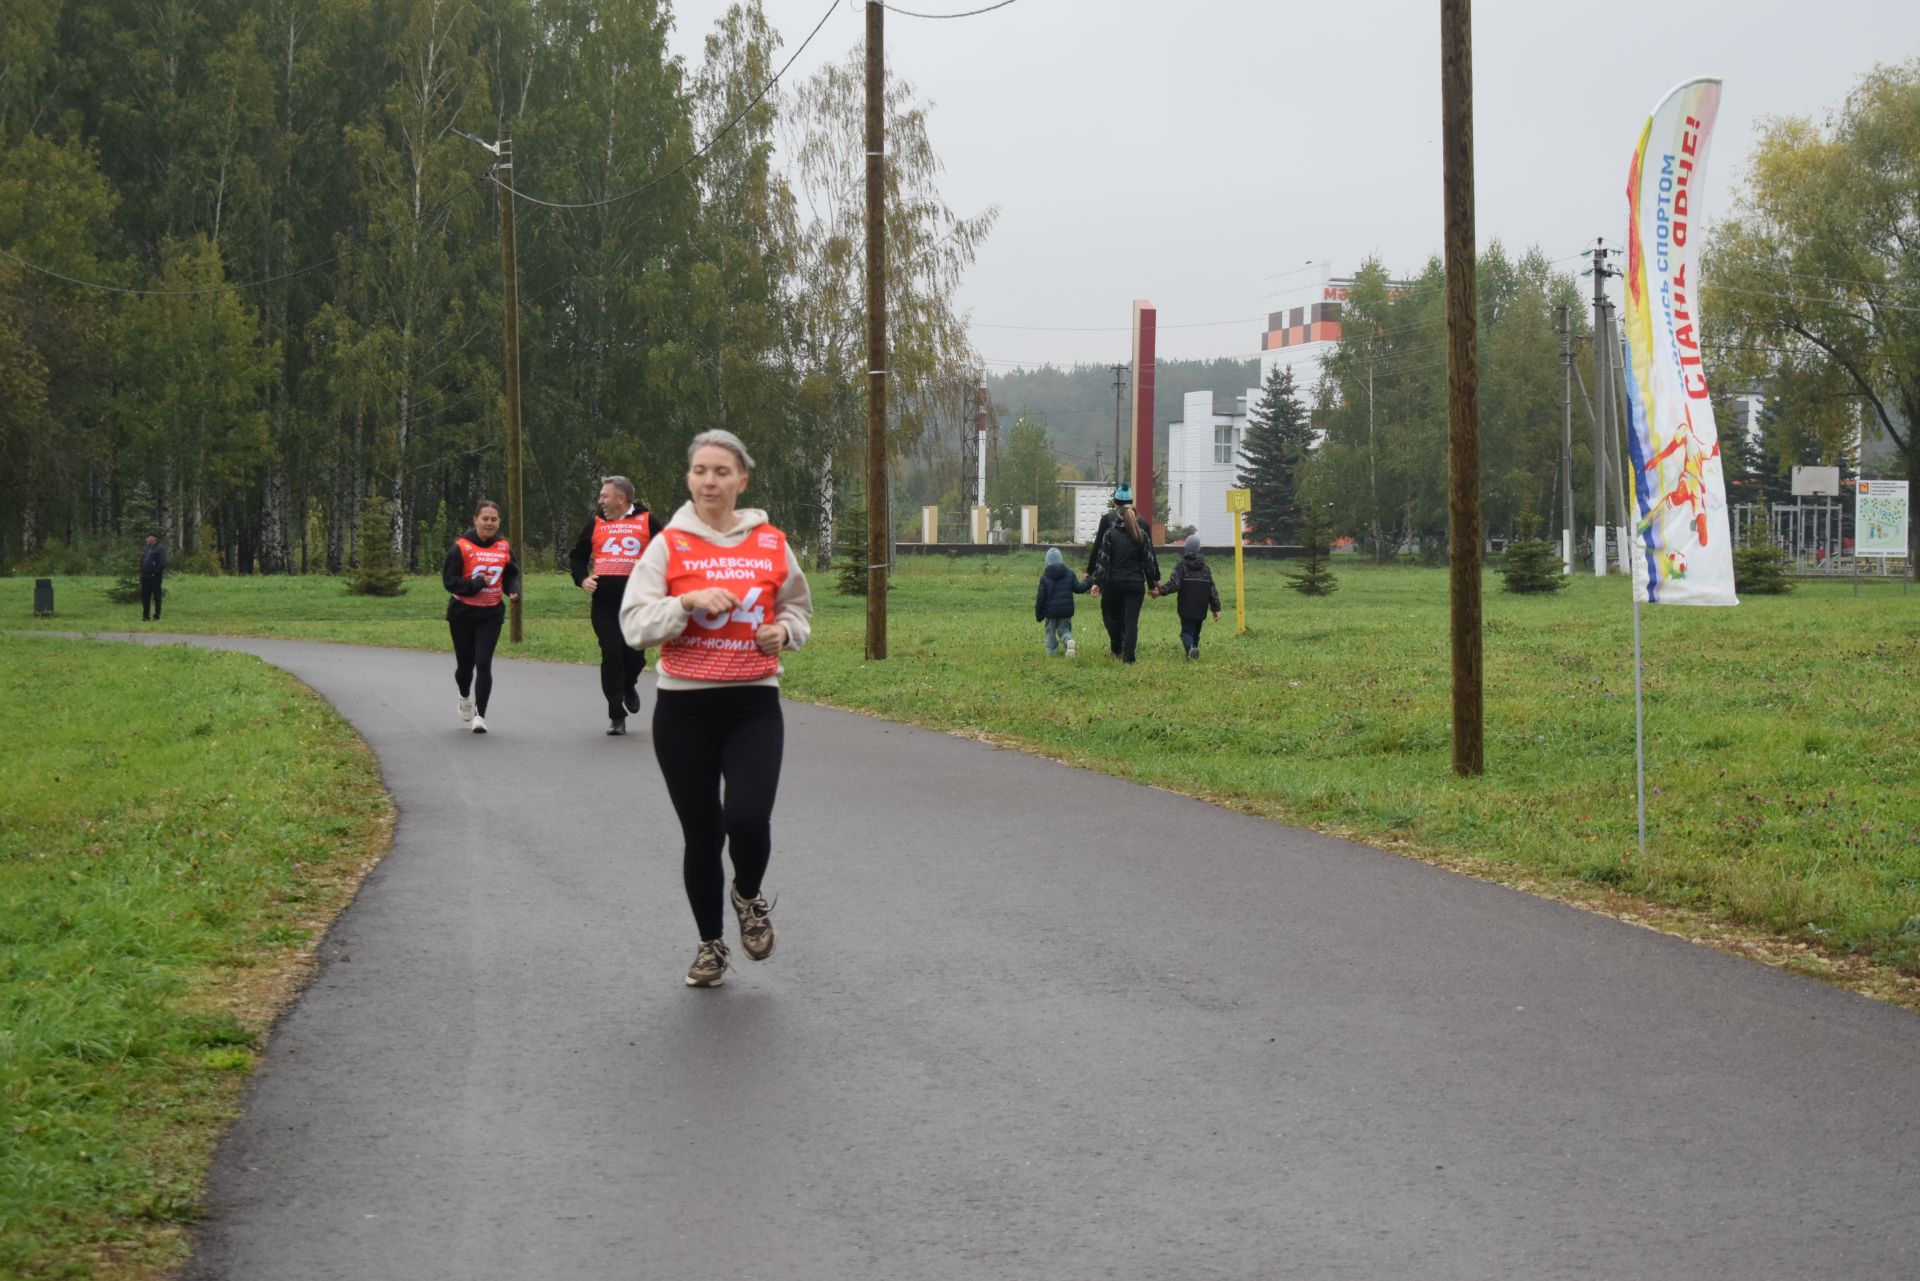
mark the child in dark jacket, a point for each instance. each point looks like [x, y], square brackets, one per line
[1053, 603]
[1192, 586]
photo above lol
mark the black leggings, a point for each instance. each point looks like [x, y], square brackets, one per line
[620, 667]
[703, 738]
[1120, 611]
[473, 642]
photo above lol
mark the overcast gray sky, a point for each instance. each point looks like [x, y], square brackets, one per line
[1191, 151]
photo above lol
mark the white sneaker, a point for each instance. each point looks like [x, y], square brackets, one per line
[1069, 647]
[467, 711]
[479, 723]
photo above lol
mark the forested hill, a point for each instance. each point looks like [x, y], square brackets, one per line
[1076, 403]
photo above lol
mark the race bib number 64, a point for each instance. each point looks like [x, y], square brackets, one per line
[750, 612]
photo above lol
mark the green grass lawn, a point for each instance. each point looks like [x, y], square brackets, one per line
[1783, 735]
[177, 825]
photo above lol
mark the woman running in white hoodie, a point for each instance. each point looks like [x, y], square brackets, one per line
[721, 594]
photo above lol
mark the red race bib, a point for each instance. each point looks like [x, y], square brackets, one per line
[720, 647]
[617, 544]
[487, 564]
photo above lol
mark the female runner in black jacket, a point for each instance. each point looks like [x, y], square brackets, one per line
[480, 570]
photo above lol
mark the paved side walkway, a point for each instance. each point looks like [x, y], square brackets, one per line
[1024, 1021]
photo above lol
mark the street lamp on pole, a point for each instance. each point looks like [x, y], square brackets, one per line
[510, 308]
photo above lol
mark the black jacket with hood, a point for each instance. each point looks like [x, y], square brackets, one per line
[458, 585]
[1121, 564]
[607, 587]
[1192, 583]
[1058, 585]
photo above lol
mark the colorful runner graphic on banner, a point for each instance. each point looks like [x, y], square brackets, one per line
[1682, 548]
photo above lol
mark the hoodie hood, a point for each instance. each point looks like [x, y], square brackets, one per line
[748, 519]
[1056, 569]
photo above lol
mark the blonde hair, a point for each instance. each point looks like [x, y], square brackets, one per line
[1133, 521]
[725, 440]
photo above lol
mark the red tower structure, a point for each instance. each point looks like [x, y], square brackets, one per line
[1144, 316]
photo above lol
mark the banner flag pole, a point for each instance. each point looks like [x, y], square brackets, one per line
[1639, 734]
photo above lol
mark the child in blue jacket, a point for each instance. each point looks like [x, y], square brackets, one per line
[1053, 603]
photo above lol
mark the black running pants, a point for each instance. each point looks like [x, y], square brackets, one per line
[473, 642]
[620, 667]
[719, 752]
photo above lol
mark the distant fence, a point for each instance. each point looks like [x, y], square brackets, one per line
[1079, 550]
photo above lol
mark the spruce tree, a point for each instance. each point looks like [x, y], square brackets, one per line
[1760, 566]
[851, 533]
[1313, 575]
[136, 522]
[378, 575]
[1278, 440]
[1532, 564]
[434, 538]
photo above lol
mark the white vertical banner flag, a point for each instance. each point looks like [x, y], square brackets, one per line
[1682, 546]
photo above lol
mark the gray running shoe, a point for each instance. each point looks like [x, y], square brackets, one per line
[710, 964]
[756, 931]
[467, 710]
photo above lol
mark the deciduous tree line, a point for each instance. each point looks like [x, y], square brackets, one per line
[1363, 439]
[250, 261]
[1812, 300]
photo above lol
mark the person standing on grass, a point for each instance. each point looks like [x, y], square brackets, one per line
[602, 560]
[153, 568]
[480, 570]
[1191, 586]
[720, 592]
[1053, 603]
[1126, 570]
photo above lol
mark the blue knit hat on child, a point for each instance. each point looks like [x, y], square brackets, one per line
[1054, 557]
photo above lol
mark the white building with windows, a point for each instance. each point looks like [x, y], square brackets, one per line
[1203, 457]
[1203, 448]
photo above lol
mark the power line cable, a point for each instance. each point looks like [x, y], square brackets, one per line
[684, 165]
[971, 13]
[368, 243]
[1825, 280]
[1798, 298]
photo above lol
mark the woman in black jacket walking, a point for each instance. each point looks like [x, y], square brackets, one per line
[480, 570]
[1126, 570]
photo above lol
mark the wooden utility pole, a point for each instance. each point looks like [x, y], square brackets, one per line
[877, 531]
[1602, 414]
[510, 295]
[1463, 383]
[1564, 324]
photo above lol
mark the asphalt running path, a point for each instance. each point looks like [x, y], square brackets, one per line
[1024, 1021]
